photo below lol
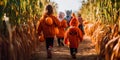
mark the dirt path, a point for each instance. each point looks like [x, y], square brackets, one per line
[86, 51]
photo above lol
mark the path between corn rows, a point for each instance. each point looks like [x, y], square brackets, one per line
[86, 51]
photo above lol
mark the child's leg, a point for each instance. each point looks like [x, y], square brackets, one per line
[59, 42]
[49, 45]
[62, 41]
[73, 52]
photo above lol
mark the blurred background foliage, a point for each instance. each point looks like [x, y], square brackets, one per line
[106, 11]
[21, 11]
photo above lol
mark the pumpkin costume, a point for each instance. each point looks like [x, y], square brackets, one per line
[48, 29]
[47, 25]
[73, 36]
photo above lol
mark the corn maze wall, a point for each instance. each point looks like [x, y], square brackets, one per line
[101, 23]
[18, 35]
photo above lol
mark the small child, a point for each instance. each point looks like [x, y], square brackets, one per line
[47, 23]
[61, 28]
[73, 37]
[81, 23]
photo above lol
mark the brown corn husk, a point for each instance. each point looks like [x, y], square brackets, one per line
[109, 48]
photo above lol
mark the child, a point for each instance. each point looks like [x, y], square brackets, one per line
[61, 28]
[74, 36]
[47, 25]
[81, 23]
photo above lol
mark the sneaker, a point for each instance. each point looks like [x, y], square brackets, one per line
[62, 44]
[59, 45]
[49, 53]
[74, 56]
[49, 57]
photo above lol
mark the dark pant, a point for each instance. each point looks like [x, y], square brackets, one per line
[82, 28]
[73, 51]
[49, 42]
[49, 45]
[60, 41]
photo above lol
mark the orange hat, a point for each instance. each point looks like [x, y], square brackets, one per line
[74, 22]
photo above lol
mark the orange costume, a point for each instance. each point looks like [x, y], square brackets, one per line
[62, 29]
[74, 36]
[47, 28]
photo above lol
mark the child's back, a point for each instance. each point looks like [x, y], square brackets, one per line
[74, 35]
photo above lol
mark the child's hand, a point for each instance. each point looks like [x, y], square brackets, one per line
[67, 43]
[41, 38]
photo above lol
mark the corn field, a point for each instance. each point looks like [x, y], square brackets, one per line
[101, 22]
[107, 11]
[18, 38]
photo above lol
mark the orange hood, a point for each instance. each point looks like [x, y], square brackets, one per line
[74, 22]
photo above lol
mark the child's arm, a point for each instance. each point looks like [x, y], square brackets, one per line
[66, 41]
[64, 24]
[56, 21]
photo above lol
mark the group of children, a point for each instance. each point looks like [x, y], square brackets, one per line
[69, 33]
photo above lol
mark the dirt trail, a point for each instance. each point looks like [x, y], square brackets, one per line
[86, 51]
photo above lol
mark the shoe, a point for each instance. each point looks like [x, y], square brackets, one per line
[49, 53]
[62, 44]
[74, 56]
[59, 45]
[49, 57]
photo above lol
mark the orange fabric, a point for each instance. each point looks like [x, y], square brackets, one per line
[74, 22]
[48, 30]
[67, 43]
[74, 36]
[62, 29]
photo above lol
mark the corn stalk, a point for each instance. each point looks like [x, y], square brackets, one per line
[23, 16]
[107, 11]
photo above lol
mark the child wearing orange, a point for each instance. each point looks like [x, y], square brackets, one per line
[74, 36]
[61, 28]
[47, 25]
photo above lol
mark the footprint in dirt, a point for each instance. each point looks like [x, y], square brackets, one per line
[86, 51]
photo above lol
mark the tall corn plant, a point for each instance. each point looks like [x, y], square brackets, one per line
[106, 11]
[19, 12]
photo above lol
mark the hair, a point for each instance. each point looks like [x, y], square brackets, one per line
[61, 14]
[79, 14]
[49, 9]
